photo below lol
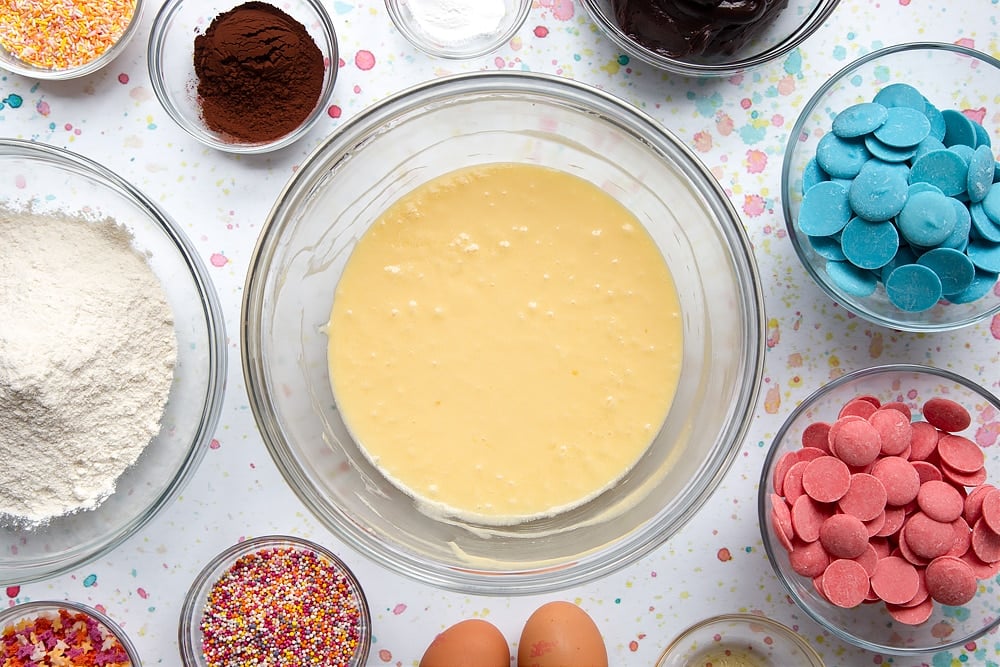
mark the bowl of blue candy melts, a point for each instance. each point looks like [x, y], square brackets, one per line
[891, 187]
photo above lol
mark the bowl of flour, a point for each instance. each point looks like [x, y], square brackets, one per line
[112, 360]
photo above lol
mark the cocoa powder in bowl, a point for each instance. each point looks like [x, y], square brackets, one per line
[260, 73]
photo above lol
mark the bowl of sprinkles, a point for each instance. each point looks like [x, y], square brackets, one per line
[68, 634]
[275, 600]
[54, 39]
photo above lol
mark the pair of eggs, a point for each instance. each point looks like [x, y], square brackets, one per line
[557, 634]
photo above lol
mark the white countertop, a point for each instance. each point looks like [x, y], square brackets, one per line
[738, 127]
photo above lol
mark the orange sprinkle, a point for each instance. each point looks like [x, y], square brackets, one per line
[59, 34]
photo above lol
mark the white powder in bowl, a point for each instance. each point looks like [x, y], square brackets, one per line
[457, 21]
[87, 352]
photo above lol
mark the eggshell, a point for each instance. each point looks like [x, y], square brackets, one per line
[470, 643]
[561, 634]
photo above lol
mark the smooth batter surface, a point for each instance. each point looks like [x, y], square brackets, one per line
[505, 342]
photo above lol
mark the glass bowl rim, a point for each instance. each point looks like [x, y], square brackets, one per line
[89, 67]
[26, 609]
[204, 580]
[588, 566]
[475, 49]
[813, 22]
[785, 187]
[741, 618]
[155, 46]
[82, 166]
[763, 493]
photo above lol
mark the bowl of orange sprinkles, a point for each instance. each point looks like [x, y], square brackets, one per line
[62, 634]
[64, 39]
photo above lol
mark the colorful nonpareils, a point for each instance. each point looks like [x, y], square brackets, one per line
[283, 605]
[260, 73]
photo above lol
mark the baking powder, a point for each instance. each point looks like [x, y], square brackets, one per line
[457, 21]
[87, 350]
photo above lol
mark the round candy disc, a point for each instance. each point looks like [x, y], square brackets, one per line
[913, 288]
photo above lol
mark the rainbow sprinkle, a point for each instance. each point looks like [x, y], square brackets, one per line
[281, 606]
[59, 34]
[66, 639]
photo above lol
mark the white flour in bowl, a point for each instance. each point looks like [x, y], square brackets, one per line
[87, 352]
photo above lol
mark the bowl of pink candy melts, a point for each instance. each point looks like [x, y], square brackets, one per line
[879, 507]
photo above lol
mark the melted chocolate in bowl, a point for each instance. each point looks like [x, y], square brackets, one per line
[683, 28]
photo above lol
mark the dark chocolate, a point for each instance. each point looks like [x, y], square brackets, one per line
[684, 28]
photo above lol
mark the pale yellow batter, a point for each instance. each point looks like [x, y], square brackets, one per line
[505, 342]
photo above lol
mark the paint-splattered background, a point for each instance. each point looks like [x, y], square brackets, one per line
[738, 126]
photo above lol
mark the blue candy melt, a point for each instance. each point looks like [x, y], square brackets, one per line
[980, 176]
[980, 287]
[904, 127]
[879, 191]
[985, 228]
[991, 204]
[859, 119]
[921, 186]
[953, 268]
[959, 237]
[825, 209]
[827, 247]
[869, 245]
[984, 255]
[982, 136]
[926, 220]
[888, 153]
[927, 145]
[913, 288]
[841, 158]
[958, 129]
[942, 168]
[904, 255]
[901, 95]
[851, 279]
[812, 174]
[936, 120]
[922, 215]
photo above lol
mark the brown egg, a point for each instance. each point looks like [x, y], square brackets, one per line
[560, 634]
[470, 643]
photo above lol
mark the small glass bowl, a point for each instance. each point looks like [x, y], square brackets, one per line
[949, 76]
[403, 142]
[27, 612]
[792, 26]
[11, 63]
[190, 634]
[171, 66]
[439, 41]
[739, 639]
[869, 626]
[51, 180]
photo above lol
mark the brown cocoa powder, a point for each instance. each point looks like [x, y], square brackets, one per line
[259, 73]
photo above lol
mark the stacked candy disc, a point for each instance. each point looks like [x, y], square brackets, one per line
[878, 507]
[901, 193]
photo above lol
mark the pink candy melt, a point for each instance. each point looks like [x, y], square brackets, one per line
[947, 415]
[826, 479]
[882, 509]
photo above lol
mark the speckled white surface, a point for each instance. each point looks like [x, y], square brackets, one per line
[738, 126]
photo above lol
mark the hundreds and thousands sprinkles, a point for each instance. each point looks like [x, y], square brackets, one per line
[68, 638]
[281, 606]
[59, 34]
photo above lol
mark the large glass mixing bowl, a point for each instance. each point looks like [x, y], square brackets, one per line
[422, 133]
